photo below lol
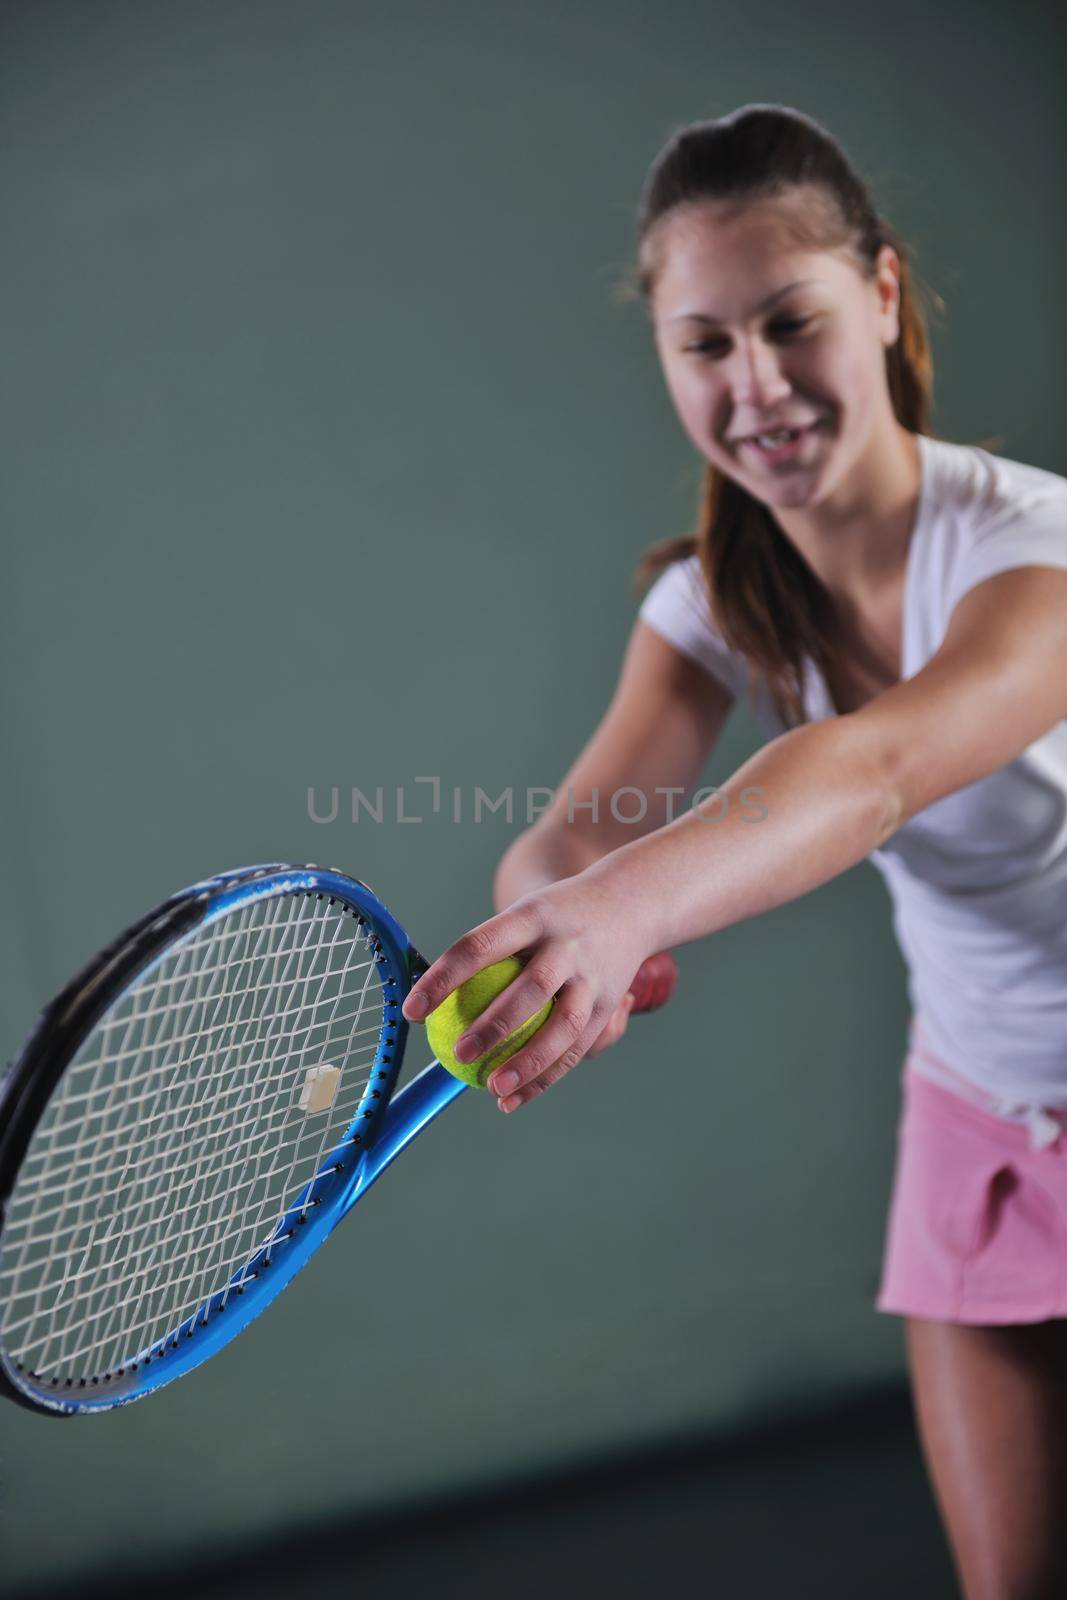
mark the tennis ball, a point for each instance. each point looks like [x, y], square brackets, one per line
[457, 1011]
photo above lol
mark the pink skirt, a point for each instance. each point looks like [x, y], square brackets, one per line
[977, 1227]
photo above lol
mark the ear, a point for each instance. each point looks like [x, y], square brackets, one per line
[887, 288]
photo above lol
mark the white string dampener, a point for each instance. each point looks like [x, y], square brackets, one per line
[320, 1088]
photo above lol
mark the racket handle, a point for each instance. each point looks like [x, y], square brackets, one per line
[654, 982]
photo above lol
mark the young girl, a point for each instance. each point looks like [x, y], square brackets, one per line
[895, 609]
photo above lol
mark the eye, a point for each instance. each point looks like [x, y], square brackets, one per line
[787, 326]
[781, 328]
[707, 347]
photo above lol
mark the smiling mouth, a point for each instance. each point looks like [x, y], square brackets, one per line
[781, 436]
[777, 444]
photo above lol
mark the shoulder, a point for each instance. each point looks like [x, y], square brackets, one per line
[677, 607]
[682, 576]
[679, 597]
[983, 514]
[983, 489]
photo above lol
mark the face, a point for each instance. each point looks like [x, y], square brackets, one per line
[773, 352]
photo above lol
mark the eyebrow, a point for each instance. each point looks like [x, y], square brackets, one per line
[779, 294]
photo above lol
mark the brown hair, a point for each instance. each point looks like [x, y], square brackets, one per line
[765, 599]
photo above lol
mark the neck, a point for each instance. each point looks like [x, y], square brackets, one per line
[856, 540]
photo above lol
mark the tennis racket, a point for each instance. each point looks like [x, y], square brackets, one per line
[191, 1118]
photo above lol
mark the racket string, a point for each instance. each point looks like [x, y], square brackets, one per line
[202, 986]
[368, 977]
[176, 1142]
[62, 1188]
[205, 1255]
[242, 1080]
[162, 1224]
[96, 1244]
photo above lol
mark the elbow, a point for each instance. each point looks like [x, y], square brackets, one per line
[887, 778]
[890, 813]
[881, 774]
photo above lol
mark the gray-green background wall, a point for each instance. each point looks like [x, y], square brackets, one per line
[327, 457]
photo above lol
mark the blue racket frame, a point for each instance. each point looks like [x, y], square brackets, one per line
[383, 1123]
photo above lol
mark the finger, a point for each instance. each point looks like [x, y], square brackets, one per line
[509, 1011]
[560, 1042]
[503, 935]
[614, 1030]
[530, 1091]
[652, 987]
[559, 1069]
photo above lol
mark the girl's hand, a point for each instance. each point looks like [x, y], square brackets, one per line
[580, 944]
[651, 988]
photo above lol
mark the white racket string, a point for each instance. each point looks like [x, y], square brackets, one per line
[145, 1174]
[240, 1047]
[254, 1035]
[205, 1099]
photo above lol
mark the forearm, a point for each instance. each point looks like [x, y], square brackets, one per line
[828, 801]
[543, 854]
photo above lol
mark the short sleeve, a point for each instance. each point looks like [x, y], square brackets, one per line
[676, 606]
[1031, 531]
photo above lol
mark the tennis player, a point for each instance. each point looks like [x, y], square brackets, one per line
[893, 607]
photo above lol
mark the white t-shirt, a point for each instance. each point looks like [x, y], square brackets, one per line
[978, 881]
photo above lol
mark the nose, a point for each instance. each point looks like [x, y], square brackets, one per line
[757, 381]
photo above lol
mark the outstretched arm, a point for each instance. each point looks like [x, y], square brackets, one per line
[833, 792]
[836, 790]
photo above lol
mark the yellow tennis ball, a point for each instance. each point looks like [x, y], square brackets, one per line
[458, 1010]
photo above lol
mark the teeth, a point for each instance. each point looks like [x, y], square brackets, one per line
[783, 436]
